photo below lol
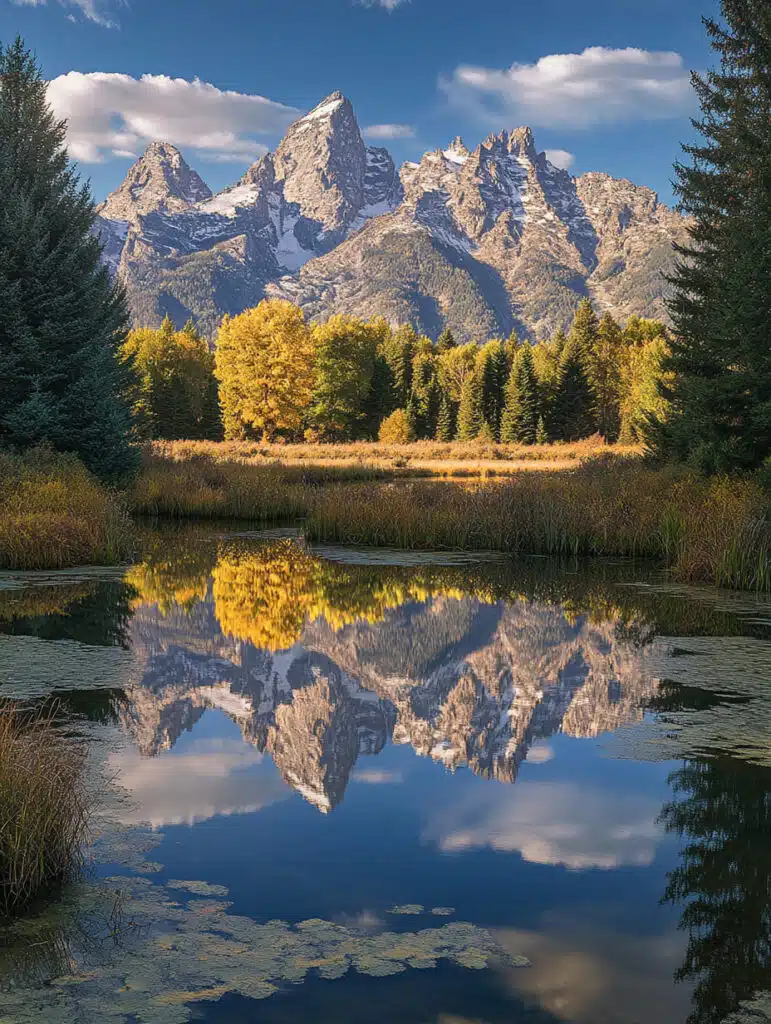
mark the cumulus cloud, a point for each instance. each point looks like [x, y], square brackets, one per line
[576, 90]
[114, 115]
[554, 823]
[390, 131]
[94, 10]
[211, 778]
[560, 158]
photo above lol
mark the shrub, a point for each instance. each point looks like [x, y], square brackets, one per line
[396, 429]
[54, 514]
[43, 806]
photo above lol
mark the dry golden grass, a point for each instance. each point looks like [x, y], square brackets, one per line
[43, 806]
[429, 458]
[54, 514]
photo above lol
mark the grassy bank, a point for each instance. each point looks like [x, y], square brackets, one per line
[424, 458]
[43, 806]
[706, 530]
[54, 514]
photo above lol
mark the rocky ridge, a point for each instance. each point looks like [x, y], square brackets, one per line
[483, 240]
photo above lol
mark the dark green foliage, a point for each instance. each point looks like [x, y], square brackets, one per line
[585, 326]
[722, 814]
[446, 340]
[425, 395]
[604, 361]
[573, 413]
[380, 400]
[541, 433]
[720, 414]
[61, 320]
[492, 368]
[470, 414]
[445, 423]
[522, 413]
[399, 352]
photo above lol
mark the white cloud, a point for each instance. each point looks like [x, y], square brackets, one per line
[94, 10]
[560, 158]
[212, 777]
[114, 115]
[576, 90]
[554, 823]
[390, 131]
[376, 777]
[388, 5]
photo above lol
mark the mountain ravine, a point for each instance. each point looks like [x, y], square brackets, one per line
[483, 241]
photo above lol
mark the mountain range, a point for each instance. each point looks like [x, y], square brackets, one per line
[474, 684]
[482, 241]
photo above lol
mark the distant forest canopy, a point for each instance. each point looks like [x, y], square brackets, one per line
[273, 375]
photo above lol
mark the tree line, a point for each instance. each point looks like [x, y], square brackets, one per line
[274, 375]
[73, 377]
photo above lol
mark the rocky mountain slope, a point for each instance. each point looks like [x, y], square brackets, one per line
[484, 241]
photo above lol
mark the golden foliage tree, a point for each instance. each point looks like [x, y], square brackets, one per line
[265, 367]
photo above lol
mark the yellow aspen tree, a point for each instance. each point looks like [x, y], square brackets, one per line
[265, 368]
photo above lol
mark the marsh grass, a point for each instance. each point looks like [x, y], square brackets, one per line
[705, 530]
[43, 806]
[424, 458]
[54, 514]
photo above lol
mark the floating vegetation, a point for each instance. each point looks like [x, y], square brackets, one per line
[407, 908]
[443, 911]
[149, 957]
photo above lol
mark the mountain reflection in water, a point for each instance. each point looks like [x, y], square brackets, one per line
[322, 674]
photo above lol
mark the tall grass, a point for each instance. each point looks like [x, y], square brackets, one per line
[43, 806]
[54, 514]
[204, 486]
[705, 530]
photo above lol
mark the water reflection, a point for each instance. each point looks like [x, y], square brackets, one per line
[240, 673]
[321, 663]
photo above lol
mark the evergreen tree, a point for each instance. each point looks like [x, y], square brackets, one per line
[541, 433]
[605, 365]
[425, 394]
[519, 423]
[585, 326]
[491, 367]
[470, 412]
[573, 410]
[399, 351]
[720, 397]
[445, 423]
[61, 320]
[446, 340]
[511, 347]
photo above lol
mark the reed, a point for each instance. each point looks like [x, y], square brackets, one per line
[43, 806]
[706, 530]
[54, 514]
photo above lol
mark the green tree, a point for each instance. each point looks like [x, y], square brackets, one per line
[398, 350]
[345, 362]
[573, 413]
[492, 366]
[425, 393]
[175, 395]
[446, 340]
[445, 423]
[61, 320]
[720, 394]
[585, 326]
[521, 415]
[604, 363]
[470, 413]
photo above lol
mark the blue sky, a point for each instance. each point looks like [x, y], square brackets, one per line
[604, 81]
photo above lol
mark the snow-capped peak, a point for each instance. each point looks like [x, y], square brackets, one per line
[456, 152]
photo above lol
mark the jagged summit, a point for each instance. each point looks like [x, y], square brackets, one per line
[483, 241]
[160, 180]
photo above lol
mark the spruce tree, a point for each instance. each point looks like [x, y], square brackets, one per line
[573, 409]
[541, 433]
[445, 425]
[446, 340]
[585, 326]
[604, 365]
[61, 320]
[470, 414]
[519, 424]
[720, 397]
